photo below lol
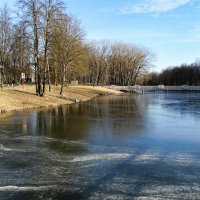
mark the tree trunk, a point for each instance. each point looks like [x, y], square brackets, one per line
[1, 78]
[49, 75]
[39, 90]
[62, 81]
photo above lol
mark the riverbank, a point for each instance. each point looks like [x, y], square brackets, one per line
[23, 97]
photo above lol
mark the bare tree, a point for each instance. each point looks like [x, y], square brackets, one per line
[5, 40]
[118, 63]
[98, 65]
[67, 46]
[128, 62]
[53, 41]
[50, 10]
[30, 15]
[21, 52]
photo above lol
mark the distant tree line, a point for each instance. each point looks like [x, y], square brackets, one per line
[181, 75]
[117, 63]
[47, 43]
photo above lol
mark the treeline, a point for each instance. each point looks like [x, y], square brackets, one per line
[118, 63]
[47, 43]
[182, 75]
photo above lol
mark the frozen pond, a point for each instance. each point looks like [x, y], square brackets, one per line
[112, 147]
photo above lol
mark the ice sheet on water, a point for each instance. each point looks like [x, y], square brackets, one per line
[107, 156]
[182, 159]
[49, 139]
[2, 148]
[171, 191]
[147, 156]
[12, 188]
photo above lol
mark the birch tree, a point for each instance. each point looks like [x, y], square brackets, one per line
[50, 13]
[5, 41]
[30, 13]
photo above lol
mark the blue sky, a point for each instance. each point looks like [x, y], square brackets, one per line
[169, 28]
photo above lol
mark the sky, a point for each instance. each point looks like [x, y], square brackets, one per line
[168, 28]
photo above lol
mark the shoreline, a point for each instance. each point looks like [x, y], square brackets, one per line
[22, 97]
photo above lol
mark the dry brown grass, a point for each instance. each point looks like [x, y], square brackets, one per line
[23, 97]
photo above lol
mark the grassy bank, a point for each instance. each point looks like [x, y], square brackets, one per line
[23, 97]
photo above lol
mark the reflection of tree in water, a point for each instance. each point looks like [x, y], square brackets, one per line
[115, 115]
[61, 123]
[122, 115]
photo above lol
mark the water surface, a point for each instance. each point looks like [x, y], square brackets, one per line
[112, 147]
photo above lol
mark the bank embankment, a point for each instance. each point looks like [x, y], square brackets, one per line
[23, 97]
